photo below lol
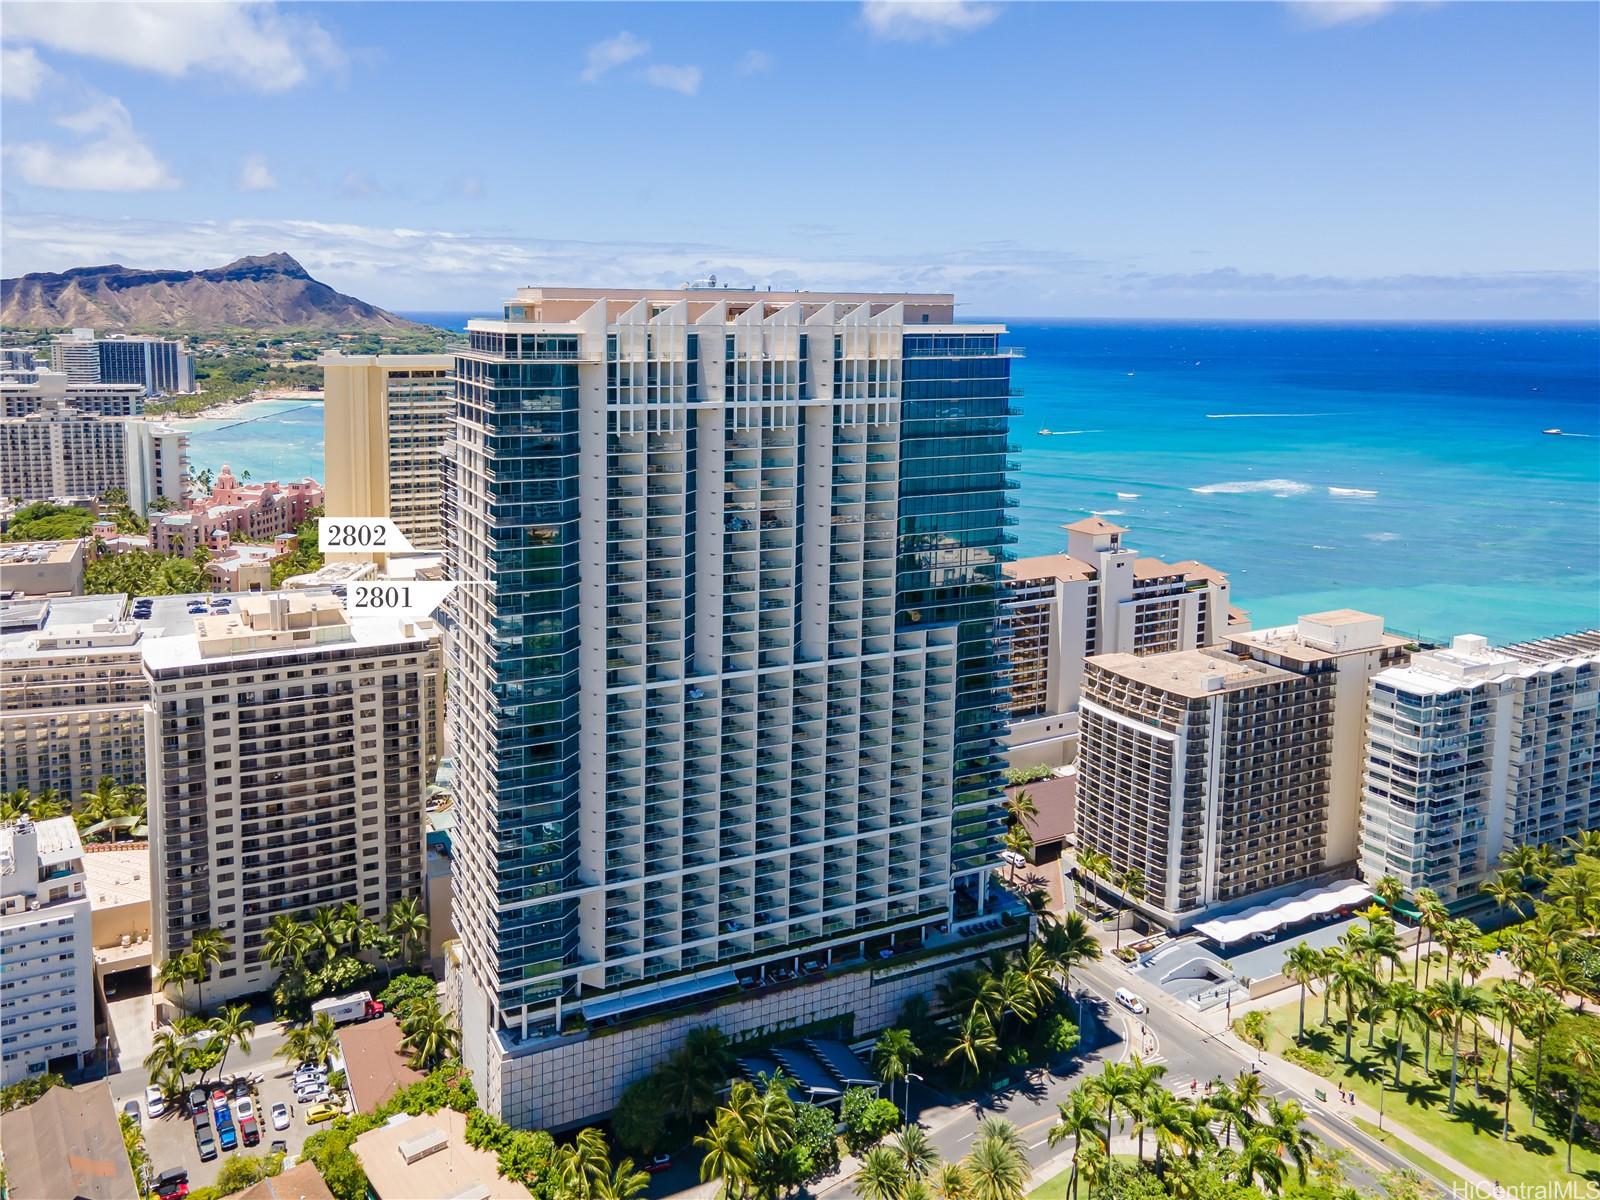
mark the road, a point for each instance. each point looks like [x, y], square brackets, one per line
[1190, 1055]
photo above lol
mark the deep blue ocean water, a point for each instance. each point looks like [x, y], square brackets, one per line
[1397, 469]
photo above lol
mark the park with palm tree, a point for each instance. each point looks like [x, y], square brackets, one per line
[1486, 1056]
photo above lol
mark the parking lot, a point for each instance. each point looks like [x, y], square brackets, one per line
[170, 1140]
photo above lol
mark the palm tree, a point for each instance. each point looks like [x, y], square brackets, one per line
[583, 1164]
[1169, 1119]
[297, 1046]
[169, 1052]
[1068, 944]
[974, 1040]
[101, 804]
[429, 1034]
[1302, 965]
[1131, 885]
[949, 1182]
[1021, 808]
[406, 920]
[1036, 973]
[181, 969]
[728, 1155]
[916, 1151]
[1405, 1001]
[286, 943]
[1389, 889]
[1512, 1004]
[996, 1166]
[1258, 1161]
[624, 1182]
[1583, 1056]
[1115, 1087]
[327, 932]
[1018, 841]
[208, 947]
[1285, 1129]
[1079, 1116]
[1462, 1001]
[1351, 978]
[324, 1038]
[1507, 891]
[1541, 1010]
[892, 1056]
[1431, 915]
[1147, 1078]
[233, 1027]
[882, 1175]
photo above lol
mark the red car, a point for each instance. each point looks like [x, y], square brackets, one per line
[172, 1184]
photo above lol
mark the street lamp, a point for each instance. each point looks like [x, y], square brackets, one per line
[910, 1075]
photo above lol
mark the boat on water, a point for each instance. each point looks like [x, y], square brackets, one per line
[1551, 432]
[1044, 432]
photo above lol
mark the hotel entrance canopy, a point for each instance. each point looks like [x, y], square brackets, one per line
[1289, 910]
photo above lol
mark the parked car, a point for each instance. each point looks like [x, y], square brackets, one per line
[280, 1147]
[244, 1111]
[658, 1164]
[241, 1086]
[154, 1102]
[172, 1184]
[322, 1112]
[131, 1109]
[203, 1137]
[280, 1116]
[197, 1100]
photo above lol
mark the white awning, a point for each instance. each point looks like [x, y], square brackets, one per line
[1289, 910]
[660, 993]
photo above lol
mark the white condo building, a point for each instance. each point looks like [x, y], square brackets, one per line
[74, 694]
[60, 452]
[46, 949]
[158, 366]
[728, 695]
[1474, 750]
[1100, 596]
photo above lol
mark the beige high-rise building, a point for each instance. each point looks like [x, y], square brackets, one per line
[74, 694]
[1098, 597]
[1226, 774]
[290, 749]
[385, 420]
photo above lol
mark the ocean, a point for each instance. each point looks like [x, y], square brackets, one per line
[1397, 469]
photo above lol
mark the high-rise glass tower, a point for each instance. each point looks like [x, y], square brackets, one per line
[729, 675]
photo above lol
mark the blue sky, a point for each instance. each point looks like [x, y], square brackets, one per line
[1351, 160]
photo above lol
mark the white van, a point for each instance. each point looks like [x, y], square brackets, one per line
[1130, 1002]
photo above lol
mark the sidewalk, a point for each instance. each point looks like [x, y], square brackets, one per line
[1309, 1083]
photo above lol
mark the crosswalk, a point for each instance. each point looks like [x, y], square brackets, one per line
[1187, 1087]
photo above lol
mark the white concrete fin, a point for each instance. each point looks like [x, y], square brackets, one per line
[717, 314]
[895, 314]
[674, 314]
[789, 314]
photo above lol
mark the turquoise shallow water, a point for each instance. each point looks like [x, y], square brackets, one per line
[1454, 512]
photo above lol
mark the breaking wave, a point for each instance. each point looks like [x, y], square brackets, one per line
[1352, 493]
[1127, 495]
[1245, 487]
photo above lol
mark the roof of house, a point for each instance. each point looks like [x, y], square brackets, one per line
[1057, 801]
[67, 1145]
[1094, 525]
[373, 1062]
[1049, 566]
[441, 1163]
[300, 1182]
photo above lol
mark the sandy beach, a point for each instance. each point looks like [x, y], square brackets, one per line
[244, 409]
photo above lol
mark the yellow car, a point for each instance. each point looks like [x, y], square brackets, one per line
[322, 1112]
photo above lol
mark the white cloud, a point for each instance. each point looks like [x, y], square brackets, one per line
[754, 62]
[111, 158]
[253, 43]
[612, 52]
[440, 269]
[685, 80]
[1324, 14]
[22, 73]
[925, 20]
[255, 175]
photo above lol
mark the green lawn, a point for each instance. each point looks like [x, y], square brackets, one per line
[1412, 1155]
[1055, 1187]
[1472, 1135]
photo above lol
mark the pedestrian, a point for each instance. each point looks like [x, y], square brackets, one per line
[1341, 1094]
